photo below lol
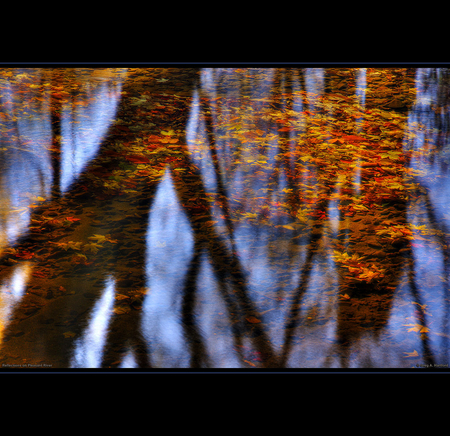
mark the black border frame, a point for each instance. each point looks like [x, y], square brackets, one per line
[167, 63]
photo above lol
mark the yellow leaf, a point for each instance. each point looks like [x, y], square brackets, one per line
[92, 247]
[359, 207]
[417, 328]
[98, 238]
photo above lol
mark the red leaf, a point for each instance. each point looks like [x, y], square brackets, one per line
[71, 218]
[354, 138]
[40, 274]
[138, 159]
[24, 255]
[253, 320]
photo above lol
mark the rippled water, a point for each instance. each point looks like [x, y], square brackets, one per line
[224, 218]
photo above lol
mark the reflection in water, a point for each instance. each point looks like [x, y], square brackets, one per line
[429, 124]
[274, 218]
[88, 351]
[34, 153]
[11, 292]
[85, 119]
[169, 250]
[26, 173]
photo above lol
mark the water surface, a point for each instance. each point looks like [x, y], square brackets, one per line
[224, 218]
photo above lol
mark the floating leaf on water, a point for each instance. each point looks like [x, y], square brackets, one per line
[120, 310]
[417, 328]
[253, 320]
[412, 354]
[121, 297]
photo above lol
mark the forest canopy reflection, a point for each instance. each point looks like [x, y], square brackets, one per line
[225, 217]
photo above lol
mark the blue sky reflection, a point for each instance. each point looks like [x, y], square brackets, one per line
[85, 122]
[169, 251]
[11, 292]
[88, 350]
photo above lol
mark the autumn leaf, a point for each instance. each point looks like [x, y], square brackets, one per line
[412, 354]
[120, 310]
[138, 159]
[368, 274]
[71, 244]
[102, 238]
[121, 297]
[69, 334]
[359, 207]
[79, 258]
[253, 320]
[169, 140]
[354, 138]
[92, 247]
[40, 274]
[340, 257]
[423, 307]
[394, 155]
[40, 199]
[72, 219]
[24, 255]
[417, 328]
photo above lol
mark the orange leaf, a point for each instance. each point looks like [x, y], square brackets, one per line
[137, 159]
[354, 138]
[253, 320]
[413, 354]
